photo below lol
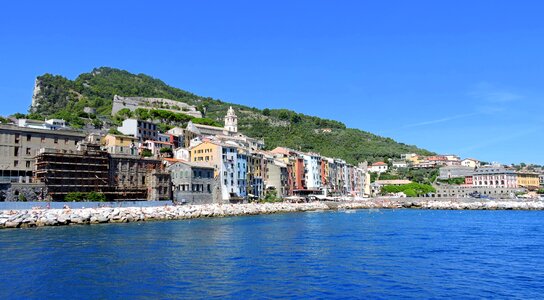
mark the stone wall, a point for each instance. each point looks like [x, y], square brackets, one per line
[132, 103]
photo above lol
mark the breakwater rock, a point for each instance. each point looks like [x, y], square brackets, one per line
[483, 205]
[55, 217]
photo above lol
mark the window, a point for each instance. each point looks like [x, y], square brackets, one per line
[66, 141]
[56, 140]
[16, 138]
[143, 179]
[27, 151]
[28, 137]
[75, 142]
[43, 139]
[28, 163]
[15, 163]
[16, 151]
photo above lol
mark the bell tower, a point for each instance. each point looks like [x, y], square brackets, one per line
[231, 121]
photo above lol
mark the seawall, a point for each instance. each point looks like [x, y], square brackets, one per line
[55, 217]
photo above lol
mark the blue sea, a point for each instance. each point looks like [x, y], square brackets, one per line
[382, 254]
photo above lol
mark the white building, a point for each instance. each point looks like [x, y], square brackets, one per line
[312, 169]
[397, 164]
[378, 167]
[495, 176]
[141, 130]
[470, 162]
[229, 171]
[181, 153]
[51, 124]
[231, 121]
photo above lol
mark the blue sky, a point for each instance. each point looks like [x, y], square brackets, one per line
[460, 77]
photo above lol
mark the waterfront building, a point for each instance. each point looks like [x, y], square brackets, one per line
[120, 144]
[224, 158]
[135, 178]
[19, 145]
[288, 157]
[495, 176]
[363, 180]
[90, 169]
[465, 191]
[142, 130]
[378, 167]
[528, 180]
[359, 177]
[541, 179]
[312, 168]
[327, 168]
[242, 167]
[193, 183]
[470, 162]
[84, 170]
[448, 172]
[276, 177]
[256, 169]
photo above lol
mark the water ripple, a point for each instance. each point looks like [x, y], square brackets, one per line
[391, 254]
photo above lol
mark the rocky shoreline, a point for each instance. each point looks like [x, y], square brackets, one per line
[55, 217]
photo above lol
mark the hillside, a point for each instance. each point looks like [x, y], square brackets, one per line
[57, 96]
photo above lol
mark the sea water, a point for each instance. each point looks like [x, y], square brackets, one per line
[367, 254]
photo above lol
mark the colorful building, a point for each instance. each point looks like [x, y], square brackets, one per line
[120, 144]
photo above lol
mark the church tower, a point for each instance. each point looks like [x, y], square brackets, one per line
[231, 121]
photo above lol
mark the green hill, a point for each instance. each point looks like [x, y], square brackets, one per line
[57, 96]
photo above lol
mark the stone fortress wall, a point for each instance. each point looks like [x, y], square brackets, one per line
[133, 103]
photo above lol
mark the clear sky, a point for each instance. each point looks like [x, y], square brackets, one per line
[463, 77]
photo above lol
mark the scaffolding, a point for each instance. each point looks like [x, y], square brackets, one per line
[81, 171]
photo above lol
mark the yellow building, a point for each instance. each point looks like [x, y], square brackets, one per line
[208, 153]
[120, 144]
[528, 180]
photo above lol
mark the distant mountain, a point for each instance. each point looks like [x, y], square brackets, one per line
[57, 96]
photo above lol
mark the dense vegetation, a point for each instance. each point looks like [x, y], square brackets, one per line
[64, 98]
[454, 181]
[80, 196]
[423, 176]
[410, 190]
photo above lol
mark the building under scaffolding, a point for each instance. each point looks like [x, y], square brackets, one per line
[90, 169]
[85, 170]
